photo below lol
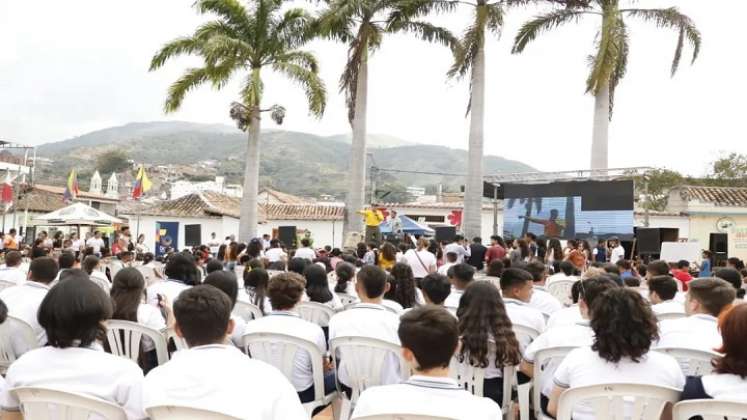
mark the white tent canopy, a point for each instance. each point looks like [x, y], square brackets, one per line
[77, 214]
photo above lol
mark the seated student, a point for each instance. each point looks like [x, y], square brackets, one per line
[493, 272]
[402, 289]
[570, 315]
[255, 289]
[624, 328]
[451, 260]
[576, 335]
[345, 284]
[72, 314]
[482, 319]
[212, 375]
[733, 277]
[541, 298]
[661, 292]
[706, 298]
[12, 271]
[213, 265]
[181, 274]
[517, 286]
[23, 301]
[429, 339]
[226, 282]
[566, 271]
[657, 268]
[90, 265]
[305, 252]
[297, 265]
[66, 261]
[729, 380]
[286, 291]
[317, 287]
[369, 318]
[436, 288]
[682, 273]
[460, 276]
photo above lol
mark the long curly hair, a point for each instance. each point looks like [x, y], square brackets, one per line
[623, 325]
[482, 317]
[404, 285]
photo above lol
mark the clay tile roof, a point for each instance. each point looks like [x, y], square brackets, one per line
[718, 196]
[304, 212]
[83, 194]
[39, 201]
[203, 204]
[284, 198]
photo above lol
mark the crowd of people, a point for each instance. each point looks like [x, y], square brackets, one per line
[437, 301]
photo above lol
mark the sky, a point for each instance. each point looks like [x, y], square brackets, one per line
[71, 67]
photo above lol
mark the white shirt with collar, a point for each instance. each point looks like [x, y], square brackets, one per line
[367, 320]
[223, 379]
[393, 305]
[151, 317]
[618, 253]
[452, 301]
[275, 254]
[13, 274]
[521, 313]
[725, 386]
[89, 371]
[290, 323]
[444, 269]
[426, 396]
[668, 307]
[559, 277]
[305, 253]
[699, 332]
[565, 316]
[420, 262]
[544, 301]
[23, 302]
[168, 288]
[459, 250]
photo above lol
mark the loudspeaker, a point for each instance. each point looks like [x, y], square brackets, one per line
[650, 239]
[192, 235]
[719, 243]
[445, 233]
[287, 236]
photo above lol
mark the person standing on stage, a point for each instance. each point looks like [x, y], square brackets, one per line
[372, 217]
[396, 224]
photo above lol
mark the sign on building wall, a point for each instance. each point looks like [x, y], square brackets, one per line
[167, 237]
[740, 237]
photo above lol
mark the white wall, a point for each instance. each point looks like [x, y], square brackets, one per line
[324, 232]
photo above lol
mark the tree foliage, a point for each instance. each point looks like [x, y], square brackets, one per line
[113, 161]
[732, 167]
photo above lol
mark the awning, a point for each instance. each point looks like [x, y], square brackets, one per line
[76, 214]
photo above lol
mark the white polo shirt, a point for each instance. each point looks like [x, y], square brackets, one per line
[426, 396]
[221, 378]
[168, 288]
[698, 332]
[275, 254]
[559, 277]
[290, 323]
[565, 316]
[583, 367]
[444, 269]
[523, 314]
[544, 301]
[452, 301]
[394, 305]
[668, 307]
[459, 250]
[305, 253]
[420, 270]
[88, 371]
[618, 253]
[725, 386]
[23, 302]
[367, 320]
[13, 274]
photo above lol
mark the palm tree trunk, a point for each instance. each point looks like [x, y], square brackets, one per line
[355, 197]
[248, 213]
[600, 136]
[472, 225]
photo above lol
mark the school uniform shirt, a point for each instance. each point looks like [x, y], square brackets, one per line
[84, 370]
[444, 269]
[544, 301]
[367, 320]
[420, 270]
[459, 250]
[239, 329]
[305, 253]
[452, 301]
[290, 323]
[249, 296]
[618, 253]
[101, 280]
[393, 305]
[13, 275]
[335, 303]
[96, 244]
[584, 367]
[559, 277]
[426, 396]
[725, 386]
[275, 254]
[221, 378]
[23, 302]
[521, 313]
[699, 332]
[168, 288]
[668, 307]
[565, 316]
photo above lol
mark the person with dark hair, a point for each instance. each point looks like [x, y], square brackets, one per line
[517, 286]
[661, 293]
[90, 265]
[436, 289]
[496, 250]
[624, 329]
[541, 298]
[657, 268]
[10, 242]
[460, 247]
[429, 338]
[460, 276]
[276, 254]
[706, 299]
[298, 265]
[450, 261]
[256, 282]
[735, 263]
[181, 273]
[317, 287]
[213, 265]
[12, 272]
[345, 274]
[65, 261]
[567, 271]
[218, 376]
[286, 292]
[226, 282]
[387, 256]
[495, 269]
[305, 251]
[421, 260]
[682, 273]
[733, 277]
[403, 289]
[477, 254]
[73, 315]
[369, 318]
[706, 266]
[729, 378]
[483, 320]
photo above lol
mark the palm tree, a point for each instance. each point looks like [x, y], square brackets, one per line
[609, 63]
[246, 40]
[362, 24]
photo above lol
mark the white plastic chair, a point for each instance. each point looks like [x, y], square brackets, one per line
[347, 299]
[125, 337]
[172, 412]
[544, 359]
[315, 312]
[365, 359]
[247, 311]
[179, 342]
[561, 290]
[47, 404]
[16, 338]
[280, 351]
[710, 410]
[692, 362]
[402, 417]
[608, 401]
[4, 284]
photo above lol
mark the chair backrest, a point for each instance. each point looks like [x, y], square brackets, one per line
[149, 274]
[402, 416]
[472, 378]
[710, 410]
[315, 312]
[16, 337]
[670, 315]
[545, 359]
[347, 299]
[172, 412]
[692, 362]
[365, 359]
[125, 338]
[561, 290]
[4, 284]
[246, 311]
[47, 404]
[608, 401]
[179, 342]
[524, 334]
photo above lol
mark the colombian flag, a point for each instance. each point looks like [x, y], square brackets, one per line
[142, 184]
[71, 188]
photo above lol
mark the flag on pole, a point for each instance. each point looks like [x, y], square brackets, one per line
[71, 187]
[142, 184]
[6, 195]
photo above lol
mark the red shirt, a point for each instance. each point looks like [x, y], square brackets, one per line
[683, 276]
[495, 252]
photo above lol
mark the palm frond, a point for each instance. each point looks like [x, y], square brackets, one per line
[232, 11]
[253, 88]
[428, 32]
[494, 18]
[192, 78]
[213, 28]
[530, 30]
[622, 46]
[294, 28]
[179, 46]
[220, 47]
[316, 93]
[301, 58]
[604, 62]
[406, 10]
